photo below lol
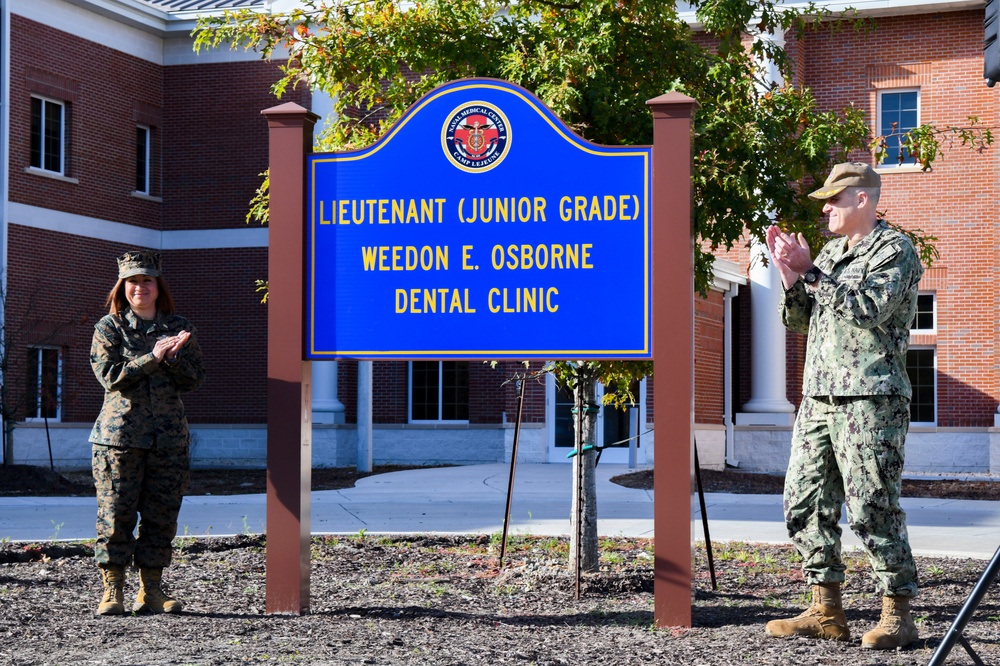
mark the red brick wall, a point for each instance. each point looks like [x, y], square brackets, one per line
[210, 144]
[391, 388]
[942, 55]
[214, 289]
[347, 389]
[709, 353]
[210, 288]
[103, 88]
[55, 294]
[215, 140]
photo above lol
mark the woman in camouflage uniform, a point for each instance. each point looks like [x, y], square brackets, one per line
[144, 356]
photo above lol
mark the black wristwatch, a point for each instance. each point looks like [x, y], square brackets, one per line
[812, 275]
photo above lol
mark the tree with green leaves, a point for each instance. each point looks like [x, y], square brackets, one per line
[595, 63]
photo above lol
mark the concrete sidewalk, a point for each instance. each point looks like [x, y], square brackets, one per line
[471, 500]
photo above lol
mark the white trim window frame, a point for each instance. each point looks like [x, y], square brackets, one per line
[46, 359]
[143, 159]
[924, 314]
[920, 386]
[904, 110]
[440, 398]
[48, 144]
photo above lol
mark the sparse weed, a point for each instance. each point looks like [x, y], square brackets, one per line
[613, 557]
[772, 601]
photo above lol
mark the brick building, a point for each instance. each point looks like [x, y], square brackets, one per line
[117, 135]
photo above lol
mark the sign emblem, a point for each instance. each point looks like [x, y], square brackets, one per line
[476, 137]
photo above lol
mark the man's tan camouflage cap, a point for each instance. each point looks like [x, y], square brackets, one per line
[844, 175]
[138, 262]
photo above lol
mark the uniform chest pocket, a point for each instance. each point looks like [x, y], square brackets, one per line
[135, 345]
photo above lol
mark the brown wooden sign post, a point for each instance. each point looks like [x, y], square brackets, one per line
[289, 378]
[673, 358]
[289, 410]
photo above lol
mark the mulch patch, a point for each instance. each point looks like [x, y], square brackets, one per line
[732, 481]
[435, 600]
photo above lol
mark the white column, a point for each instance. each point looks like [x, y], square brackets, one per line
[325, 405]
[768, 404]
[727, 373]
[364, 463]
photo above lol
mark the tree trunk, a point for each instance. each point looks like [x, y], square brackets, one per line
[583, 542]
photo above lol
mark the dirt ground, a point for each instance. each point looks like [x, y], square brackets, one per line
[439, 601]
[444, 601]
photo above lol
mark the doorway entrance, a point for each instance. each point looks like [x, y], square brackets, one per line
[613, 425]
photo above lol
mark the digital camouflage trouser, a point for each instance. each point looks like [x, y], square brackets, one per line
[850, 451]
[138, 482]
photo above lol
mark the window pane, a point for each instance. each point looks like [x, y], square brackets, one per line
[920, 367]
[36, 132]
[455, 390]
[924, 318]
[53, 136]
[424, 391]
[42, 383]
[899, 109]
[141, 159]
[50, 383]
[565, 419]
[32, 385]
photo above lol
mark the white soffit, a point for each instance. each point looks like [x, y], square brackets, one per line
[116, 232]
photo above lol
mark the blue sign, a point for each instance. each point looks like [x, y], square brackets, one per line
[479, 227]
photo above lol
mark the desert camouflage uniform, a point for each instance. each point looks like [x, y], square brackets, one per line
[140, 440]
[847, 444]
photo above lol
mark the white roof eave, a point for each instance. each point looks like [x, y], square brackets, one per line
[725, 274]
[150, 19]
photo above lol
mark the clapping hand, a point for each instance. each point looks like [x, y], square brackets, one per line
[790, 253]
[169, 346]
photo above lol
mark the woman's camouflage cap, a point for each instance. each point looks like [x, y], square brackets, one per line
[139, 262]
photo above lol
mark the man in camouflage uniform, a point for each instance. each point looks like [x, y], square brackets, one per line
[855, 303]
[145, 357]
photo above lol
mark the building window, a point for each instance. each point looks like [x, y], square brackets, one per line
[43, 380]
[898, 113]
[439, 391]
[142, 153]
[923, 320]
[48, 134]
[920, 368]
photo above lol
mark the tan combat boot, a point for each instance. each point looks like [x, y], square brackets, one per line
[113, 601]
[823, 619]
[895, 629]
[151, 596]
